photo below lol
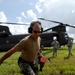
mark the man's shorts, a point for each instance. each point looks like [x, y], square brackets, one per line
[28, 68]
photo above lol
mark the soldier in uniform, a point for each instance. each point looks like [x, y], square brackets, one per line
[69, 44]
[29, 47]
[56, 45]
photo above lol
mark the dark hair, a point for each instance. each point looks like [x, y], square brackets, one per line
[32, 24]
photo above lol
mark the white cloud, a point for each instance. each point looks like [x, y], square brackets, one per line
[37, 6]
[73, 11]
[49, 3]
[14, 29]
[72, 35]
[31, 14]
[44, 4]
[3, 17]
[67, 28]
[19, 19]
[23, 14]
[42, 0]
[18, 29]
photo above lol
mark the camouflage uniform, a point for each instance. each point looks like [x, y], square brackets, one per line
[56, 45]
[70, 43]
[31, 68]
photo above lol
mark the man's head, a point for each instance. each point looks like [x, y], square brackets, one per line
[35, 28]
[70, 38]
[32, 25]
[55, 38]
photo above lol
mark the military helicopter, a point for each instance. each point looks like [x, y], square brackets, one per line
[7, 40]
[58, 31]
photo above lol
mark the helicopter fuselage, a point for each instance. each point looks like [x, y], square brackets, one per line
[46, 39]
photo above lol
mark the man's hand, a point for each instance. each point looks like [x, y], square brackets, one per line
[42, 47]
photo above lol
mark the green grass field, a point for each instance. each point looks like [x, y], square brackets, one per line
[61, 65]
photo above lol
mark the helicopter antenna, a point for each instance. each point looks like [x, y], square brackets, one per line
[13, 23]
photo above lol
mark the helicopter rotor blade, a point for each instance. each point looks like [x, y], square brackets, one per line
[62, 24]
[13, 23]
[70, 26]
[47, 29]
[49, 20]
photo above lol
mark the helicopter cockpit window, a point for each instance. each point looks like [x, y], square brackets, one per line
[5, 29]
[65, 35]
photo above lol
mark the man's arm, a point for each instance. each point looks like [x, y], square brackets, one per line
[52, 43]
[8, 54]
[58, 44]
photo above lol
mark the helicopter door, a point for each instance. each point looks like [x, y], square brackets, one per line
[63, 38]
[46, 39]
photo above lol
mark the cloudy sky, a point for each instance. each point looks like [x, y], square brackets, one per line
[25, 11]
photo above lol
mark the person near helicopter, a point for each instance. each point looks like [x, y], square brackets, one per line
[69, 45]
[29, 47]
[56, 45]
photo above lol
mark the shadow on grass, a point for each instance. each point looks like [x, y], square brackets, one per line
[47, 51]
[66, 58]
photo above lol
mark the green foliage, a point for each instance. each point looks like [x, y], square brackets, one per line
[60, 65]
